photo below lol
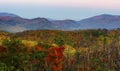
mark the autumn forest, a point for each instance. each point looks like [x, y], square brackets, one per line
[54, 50]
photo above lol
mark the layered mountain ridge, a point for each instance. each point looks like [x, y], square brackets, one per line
[14, 23]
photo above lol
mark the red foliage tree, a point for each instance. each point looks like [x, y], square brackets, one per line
[55, 58]
[2, 49]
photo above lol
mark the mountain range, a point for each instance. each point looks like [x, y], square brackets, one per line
[14, 23]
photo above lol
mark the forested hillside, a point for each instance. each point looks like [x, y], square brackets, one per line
[54, 50]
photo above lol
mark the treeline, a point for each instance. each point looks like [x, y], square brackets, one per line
[73, 38]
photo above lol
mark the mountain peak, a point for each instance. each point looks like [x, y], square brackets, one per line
[8, 14]
[39, 18]
[105, 15]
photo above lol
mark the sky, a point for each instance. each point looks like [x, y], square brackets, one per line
[60, 9]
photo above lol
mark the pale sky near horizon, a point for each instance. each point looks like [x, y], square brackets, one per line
[60, 9]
